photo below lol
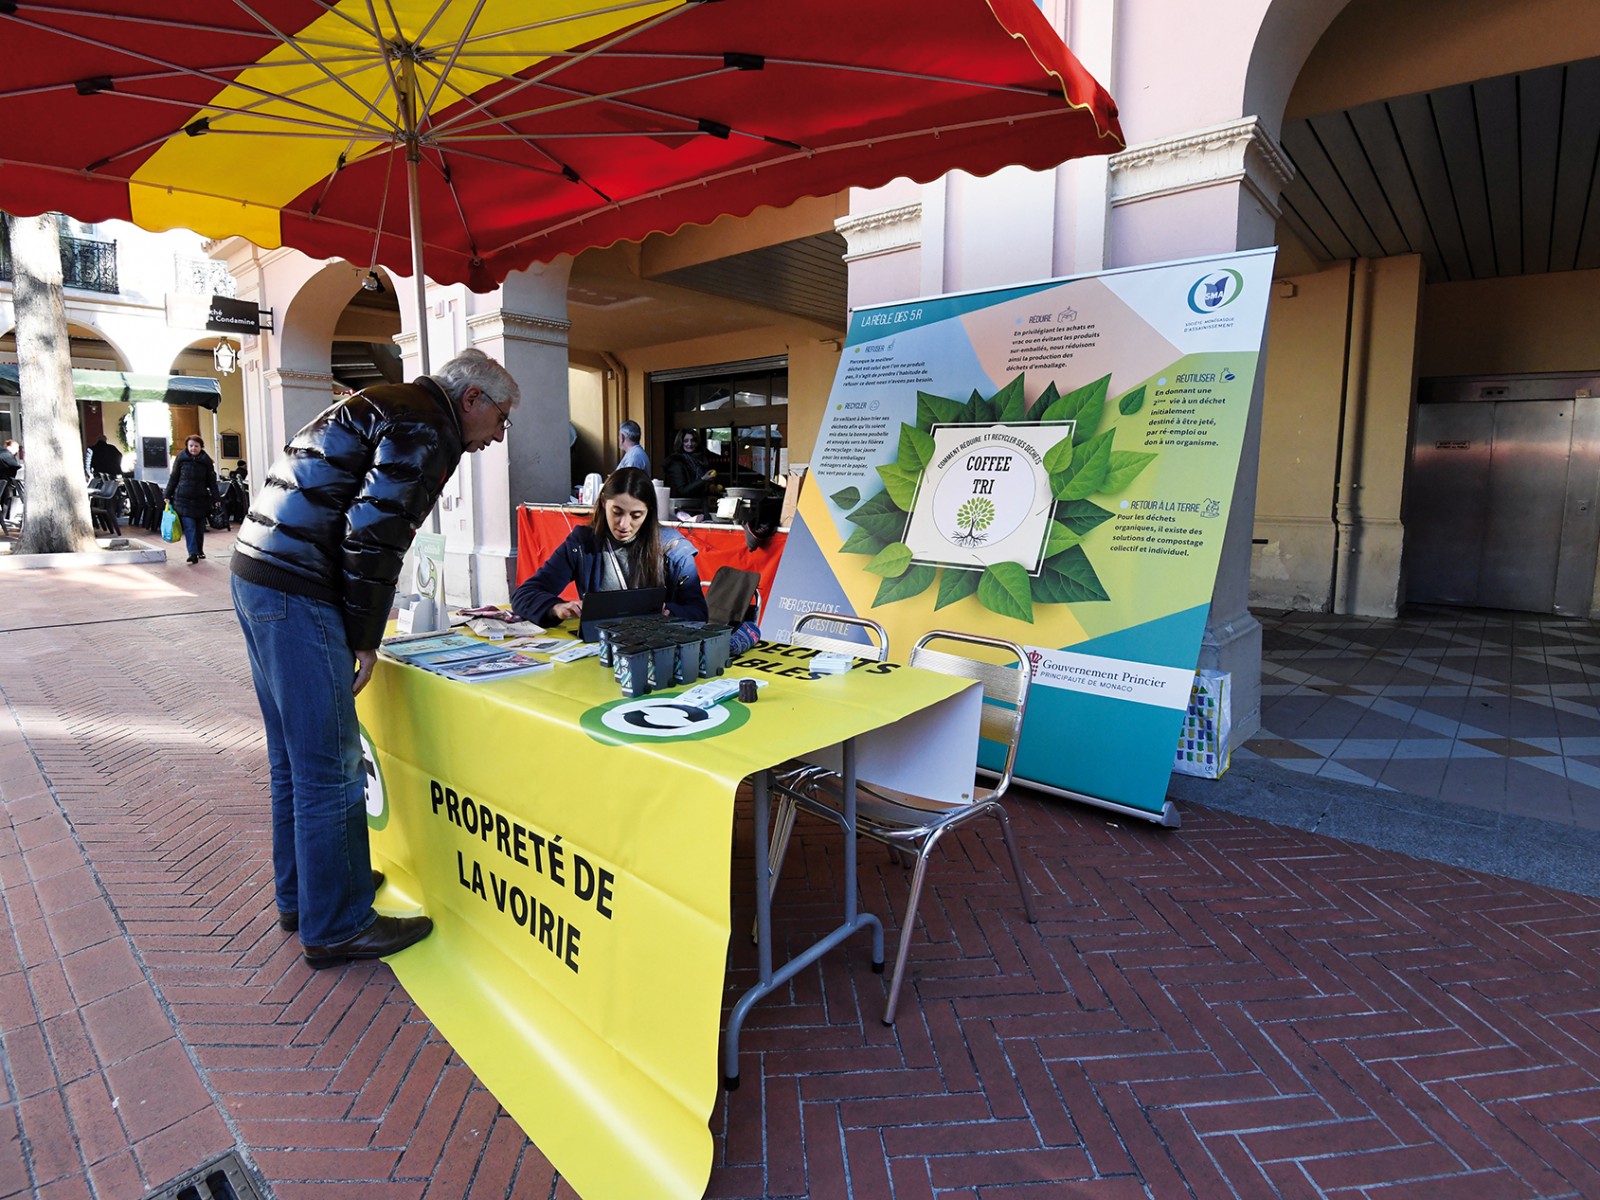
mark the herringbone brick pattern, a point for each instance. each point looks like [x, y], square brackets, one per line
[1233, 1009]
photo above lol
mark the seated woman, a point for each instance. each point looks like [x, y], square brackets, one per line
[623, 546]
[689, 471]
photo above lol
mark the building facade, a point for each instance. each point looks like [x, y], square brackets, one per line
[1427, 171]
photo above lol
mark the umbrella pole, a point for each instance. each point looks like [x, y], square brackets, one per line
[414, 197]
[405, 93]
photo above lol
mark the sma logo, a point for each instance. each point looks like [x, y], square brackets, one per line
[1216, 290]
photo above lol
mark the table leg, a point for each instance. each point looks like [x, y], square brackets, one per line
[854, 920]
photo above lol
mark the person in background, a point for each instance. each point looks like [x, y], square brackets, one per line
[314, 572]
[192, 492]
[10, 466]
[633, 455]
[104, 458]
[622, 546]
[689, 471]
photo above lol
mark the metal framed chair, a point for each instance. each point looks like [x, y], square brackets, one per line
[915, 824]
[786, 777]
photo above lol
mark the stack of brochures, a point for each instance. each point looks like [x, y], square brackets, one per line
[456, 656]
[831, 664]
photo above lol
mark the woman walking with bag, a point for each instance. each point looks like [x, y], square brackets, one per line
[192, 492]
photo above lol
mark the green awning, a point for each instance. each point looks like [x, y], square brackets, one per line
[127, 388]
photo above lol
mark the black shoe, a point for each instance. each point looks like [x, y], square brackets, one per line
[290, 922]
[385, 936]
[200, 556]
[193, 559]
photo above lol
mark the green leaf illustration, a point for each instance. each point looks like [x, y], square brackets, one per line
[1132, 402]
[847, 497]
[1042, 405]
[1083, 405]
[936, 410]
[977, 410]
[1062, 537]
[956, 585]
[862, 542]
[916, 447]
[892, 561]
[1081, 516]
[881, 517]
[1010, 405]
[1087, 475]
[1006, 589]
[912, 583]
[1068, 579]
[1058, 459]
[900, 482]
[1125, 465]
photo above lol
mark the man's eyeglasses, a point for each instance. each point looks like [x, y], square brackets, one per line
[505, 417]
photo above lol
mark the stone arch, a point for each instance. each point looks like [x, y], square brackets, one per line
[123, 359]
[1289, 31]
[305, 341]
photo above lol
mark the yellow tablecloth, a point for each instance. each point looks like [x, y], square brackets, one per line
[578, 876]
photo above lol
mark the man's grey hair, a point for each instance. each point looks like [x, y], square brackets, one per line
[631, 431]
[474, 368]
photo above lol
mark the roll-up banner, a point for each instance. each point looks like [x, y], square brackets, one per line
[1051, 463]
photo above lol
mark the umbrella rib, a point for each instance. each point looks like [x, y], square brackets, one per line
[344, 160]
[581, 98]
[438, 12]
[311, 60]
[455, 52]
[388, 62]
[222, 82]
[585, 15]
[449, 181]
[124, 18]
[383, 208]
[354, 226]
[616, 39]
[748, 168]
[511, 135]
[144, 77]
[856, 68]
[334, 10]
[559, 167]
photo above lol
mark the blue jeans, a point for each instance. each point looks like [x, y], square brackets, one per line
[194, 533]
[304, 673]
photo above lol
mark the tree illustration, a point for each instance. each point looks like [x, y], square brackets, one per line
[972, 518]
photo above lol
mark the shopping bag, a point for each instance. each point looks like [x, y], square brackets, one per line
[1207, 726]
[171, 527]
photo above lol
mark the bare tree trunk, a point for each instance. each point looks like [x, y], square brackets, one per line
[55, 514]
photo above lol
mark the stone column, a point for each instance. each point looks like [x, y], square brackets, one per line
[1208, 192]
[297, 396]
[528, 332]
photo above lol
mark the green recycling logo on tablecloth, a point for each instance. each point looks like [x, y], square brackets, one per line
[659, 718]
[377, 793]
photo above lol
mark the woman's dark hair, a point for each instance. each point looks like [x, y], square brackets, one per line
[645, 550]
[685, 434]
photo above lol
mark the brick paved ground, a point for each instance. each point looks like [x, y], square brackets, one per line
[1231, 1009]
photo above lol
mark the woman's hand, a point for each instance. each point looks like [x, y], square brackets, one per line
[568, 609]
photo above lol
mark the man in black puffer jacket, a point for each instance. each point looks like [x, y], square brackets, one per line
[314, 572]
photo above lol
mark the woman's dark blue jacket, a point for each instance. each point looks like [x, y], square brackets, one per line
[579, 559]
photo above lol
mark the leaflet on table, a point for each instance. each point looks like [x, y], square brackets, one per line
[457, 656]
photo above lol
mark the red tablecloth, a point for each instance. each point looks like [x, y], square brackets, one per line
[541, 530]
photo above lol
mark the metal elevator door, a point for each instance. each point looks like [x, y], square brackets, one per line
[1503, 504]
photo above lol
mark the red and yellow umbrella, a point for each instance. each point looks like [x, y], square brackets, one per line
[474, 137]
